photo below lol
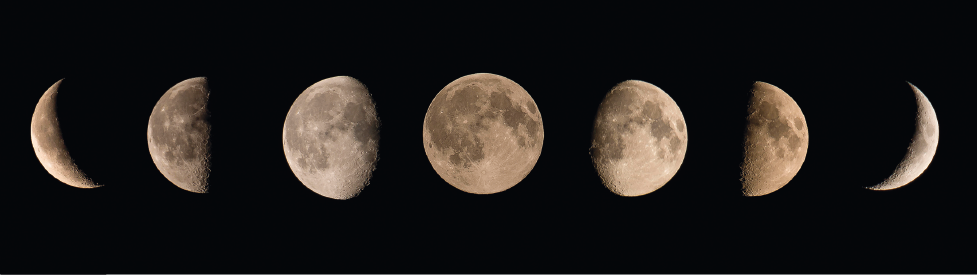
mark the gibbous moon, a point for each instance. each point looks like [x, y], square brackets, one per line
[483, 133]
[49, 144]
[639, 139]
[775, 143]
[179, 135]
[921, 149]
[331, 137]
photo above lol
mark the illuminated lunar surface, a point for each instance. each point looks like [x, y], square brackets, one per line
[483, 133]
[179, 135]
[639, 139]
[331, 137]
[921, 149]
[49, 144]
[775, 143]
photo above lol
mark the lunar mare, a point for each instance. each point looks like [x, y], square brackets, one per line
[639, 139]
[775, 143]
[49, 144]
[331, 137]
[179, 135]
[921, 149]
[483, 133]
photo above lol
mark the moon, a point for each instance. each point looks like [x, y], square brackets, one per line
[331, 137]
[49, 144]
[775, 143]
[922, 148]
[179, 135]
[483, 133]
[639, 139]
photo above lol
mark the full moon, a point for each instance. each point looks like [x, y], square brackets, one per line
[179, 135]
[483, 133]
[775, 143]
[49, 144]
[639, 139]
[331, 137]
[921, 149]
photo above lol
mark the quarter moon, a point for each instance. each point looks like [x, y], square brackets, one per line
[483, 133]
[921, 149]
[49, 143]
[331, 137]
[775, 143]
[179, 135]
[639, 139]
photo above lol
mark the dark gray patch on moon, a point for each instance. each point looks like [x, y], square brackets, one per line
[768, 110]
[794, 142]
[675, 144]
[179, 135]
[513, 116]
[921, 143]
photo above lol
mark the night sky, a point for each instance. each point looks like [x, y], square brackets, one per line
[847, 74]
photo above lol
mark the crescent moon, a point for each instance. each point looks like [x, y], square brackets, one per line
[49, 144]
[921, 150]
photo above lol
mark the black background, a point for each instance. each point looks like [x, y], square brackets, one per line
[846, 67]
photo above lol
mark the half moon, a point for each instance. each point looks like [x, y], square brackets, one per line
[921, 150]
[49, 144]
[179, 135]
[639, 139]
[775, 142]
